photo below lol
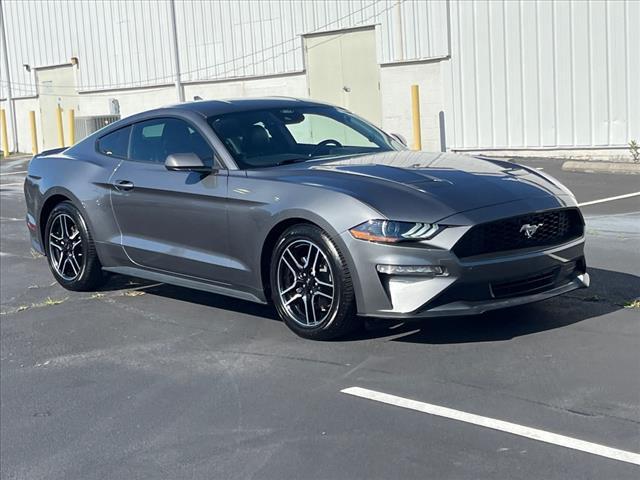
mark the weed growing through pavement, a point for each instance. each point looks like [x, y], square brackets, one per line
[633, 303]
[133, 293]
[48, 302]
[634, 148]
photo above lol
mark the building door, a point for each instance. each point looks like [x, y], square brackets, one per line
[342, 69]
[56, 86]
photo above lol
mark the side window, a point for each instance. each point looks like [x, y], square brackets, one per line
[115, 143]
[154, 140]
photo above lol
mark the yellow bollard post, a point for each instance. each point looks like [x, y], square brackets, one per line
[5, 137]
[34, 133]
[72, 126]
[415, 109]
[60, 129]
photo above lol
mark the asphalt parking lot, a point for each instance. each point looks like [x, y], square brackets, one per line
[153, 381]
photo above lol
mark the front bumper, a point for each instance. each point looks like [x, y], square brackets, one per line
[472, 286]
[475, 307]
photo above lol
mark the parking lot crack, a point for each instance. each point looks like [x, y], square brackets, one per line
[287, 357]
[572, 411]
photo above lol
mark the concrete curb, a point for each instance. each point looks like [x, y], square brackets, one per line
[15, 156]
[601, 167]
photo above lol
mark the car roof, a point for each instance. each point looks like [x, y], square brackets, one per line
[204, 108]
[219, 107]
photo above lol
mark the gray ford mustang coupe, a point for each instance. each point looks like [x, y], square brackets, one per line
[304, 205]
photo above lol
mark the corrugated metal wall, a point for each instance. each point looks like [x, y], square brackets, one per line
[126, 44]
[523, 73]
[544, 74]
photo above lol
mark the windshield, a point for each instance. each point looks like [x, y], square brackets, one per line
[277, 136]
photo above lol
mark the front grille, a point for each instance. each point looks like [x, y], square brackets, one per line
[537, 282]
[555, 227]
[526, 286]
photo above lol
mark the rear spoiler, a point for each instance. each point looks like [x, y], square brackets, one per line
[52, 151]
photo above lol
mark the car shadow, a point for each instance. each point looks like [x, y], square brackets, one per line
[609, 292]
[122, 282]
[206, 299]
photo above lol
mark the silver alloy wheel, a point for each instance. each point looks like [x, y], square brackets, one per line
[305, 283]
[65, 247]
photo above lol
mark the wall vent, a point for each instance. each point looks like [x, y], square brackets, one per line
[85, 126]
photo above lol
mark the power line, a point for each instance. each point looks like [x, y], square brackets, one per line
[31, 88]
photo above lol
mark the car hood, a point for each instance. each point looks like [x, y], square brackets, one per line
[422, 186]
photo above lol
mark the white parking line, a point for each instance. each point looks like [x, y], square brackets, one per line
[513, 428]
[12, 173]
[11, 184]
[609, 199]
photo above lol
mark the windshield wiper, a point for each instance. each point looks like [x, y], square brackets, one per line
[289, 161]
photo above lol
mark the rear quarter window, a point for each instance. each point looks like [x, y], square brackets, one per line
[115, 144]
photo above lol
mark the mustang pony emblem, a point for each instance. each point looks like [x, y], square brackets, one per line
[530, 230]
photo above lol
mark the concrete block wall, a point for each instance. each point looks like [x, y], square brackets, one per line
[395, 92]
[284, 85]
[135, 101]
[395, 97]
[22, 107]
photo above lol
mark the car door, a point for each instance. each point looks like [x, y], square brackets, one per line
[173, 221]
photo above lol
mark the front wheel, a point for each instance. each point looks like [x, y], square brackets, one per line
[311, 285]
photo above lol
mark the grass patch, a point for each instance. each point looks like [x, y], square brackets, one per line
[49, 302]
[133, 293]
[633, 303]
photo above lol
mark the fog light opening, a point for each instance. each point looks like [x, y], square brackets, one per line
[428, 270]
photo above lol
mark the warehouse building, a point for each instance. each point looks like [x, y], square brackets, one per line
[499, 76]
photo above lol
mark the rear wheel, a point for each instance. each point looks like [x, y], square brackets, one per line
[311, 285]
[70, 250]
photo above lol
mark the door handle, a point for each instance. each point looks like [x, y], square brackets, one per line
[123, 185]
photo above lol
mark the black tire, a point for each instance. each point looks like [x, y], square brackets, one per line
[75, 248]
[329, 322]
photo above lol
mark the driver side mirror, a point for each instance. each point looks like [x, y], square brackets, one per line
[399, 138]
[186, 162]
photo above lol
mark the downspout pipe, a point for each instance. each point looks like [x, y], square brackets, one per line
[176, 54]
[5, 56]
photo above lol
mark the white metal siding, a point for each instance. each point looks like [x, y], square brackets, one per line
[126, 44]
[529, 74]
[522, 74]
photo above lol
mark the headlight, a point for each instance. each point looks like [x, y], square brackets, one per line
[393, 232]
